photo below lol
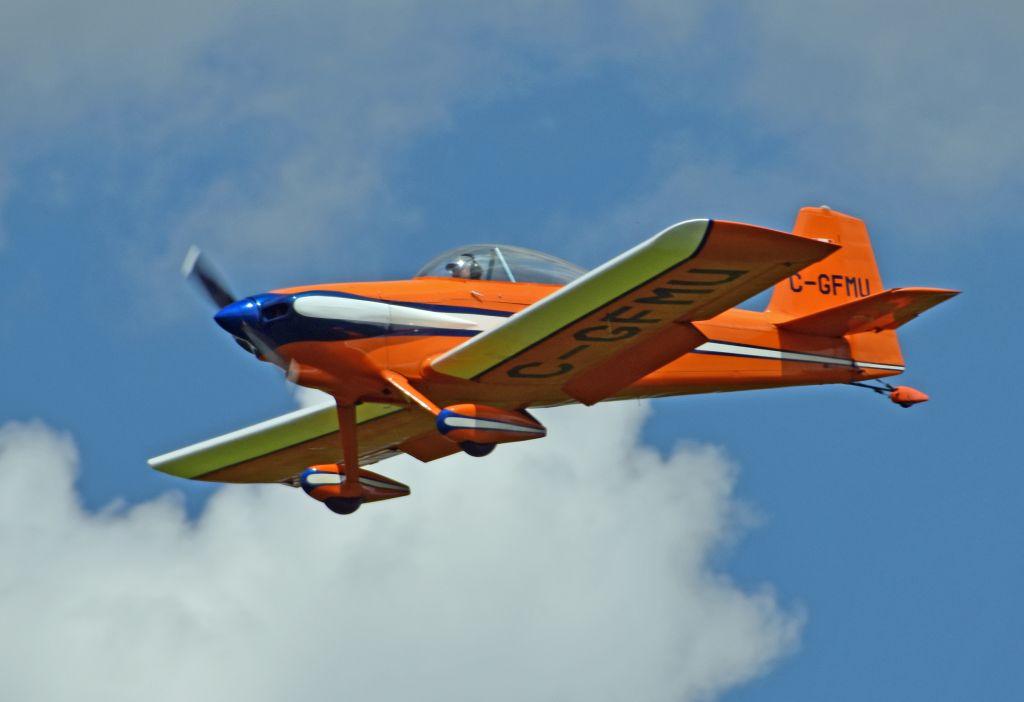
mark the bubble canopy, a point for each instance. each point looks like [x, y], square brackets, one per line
[500, 262]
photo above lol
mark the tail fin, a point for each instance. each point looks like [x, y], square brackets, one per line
[842, 295]
[848, 274]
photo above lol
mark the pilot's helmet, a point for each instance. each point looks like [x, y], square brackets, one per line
[465, 266]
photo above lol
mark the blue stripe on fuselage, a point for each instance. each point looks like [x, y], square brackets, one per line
[290, 330]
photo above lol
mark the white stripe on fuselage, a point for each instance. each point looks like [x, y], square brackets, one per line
[718, 347]
[382, 313]
[372, 312]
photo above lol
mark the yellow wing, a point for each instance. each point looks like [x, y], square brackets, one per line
[280, 448]
[633, 315]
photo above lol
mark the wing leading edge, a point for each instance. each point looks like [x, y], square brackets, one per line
[278, 449]
[633, 314]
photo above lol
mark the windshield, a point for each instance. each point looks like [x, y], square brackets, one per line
[501, 262]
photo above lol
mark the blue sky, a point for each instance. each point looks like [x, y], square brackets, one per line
[871, 552]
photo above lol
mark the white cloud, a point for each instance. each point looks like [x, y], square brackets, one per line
[896, 112]
[909, 94]
[336, 94]
[571, 568]
[306, 108]
[266, 134]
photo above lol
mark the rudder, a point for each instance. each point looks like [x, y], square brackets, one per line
[848, 274]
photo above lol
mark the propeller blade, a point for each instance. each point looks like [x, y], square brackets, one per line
[195, 267]
[265, 347]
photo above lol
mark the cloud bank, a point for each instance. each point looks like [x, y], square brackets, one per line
[574, 568]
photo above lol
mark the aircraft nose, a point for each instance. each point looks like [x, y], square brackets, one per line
[233, 316]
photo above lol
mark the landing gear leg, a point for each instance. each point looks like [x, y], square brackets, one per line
[351, 496]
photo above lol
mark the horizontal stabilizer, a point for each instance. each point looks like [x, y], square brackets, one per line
[885, 310]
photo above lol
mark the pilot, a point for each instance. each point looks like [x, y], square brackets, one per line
[465, 267]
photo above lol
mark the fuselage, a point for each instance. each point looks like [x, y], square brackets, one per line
[451, 359]
[338, 336]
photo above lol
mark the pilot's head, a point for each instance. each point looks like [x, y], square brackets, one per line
[465, 267]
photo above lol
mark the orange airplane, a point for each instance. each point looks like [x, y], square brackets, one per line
[451, 360]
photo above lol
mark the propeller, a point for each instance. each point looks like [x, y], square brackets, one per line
[196, 268]
[266, 349]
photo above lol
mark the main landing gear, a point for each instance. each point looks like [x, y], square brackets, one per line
[344, 487]
[476, 429]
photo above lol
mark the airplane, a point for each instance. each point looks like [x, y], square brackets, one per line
[452, 360]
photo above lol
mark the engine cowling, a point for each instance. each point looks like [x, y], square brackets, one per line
[482, 425]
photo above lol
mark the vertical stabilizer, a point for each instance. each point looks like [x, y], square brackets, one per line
[847, 275]
[839, 285]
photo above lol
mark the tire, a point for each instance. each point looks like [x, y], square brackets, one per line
[343, 505]
[475, 449]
